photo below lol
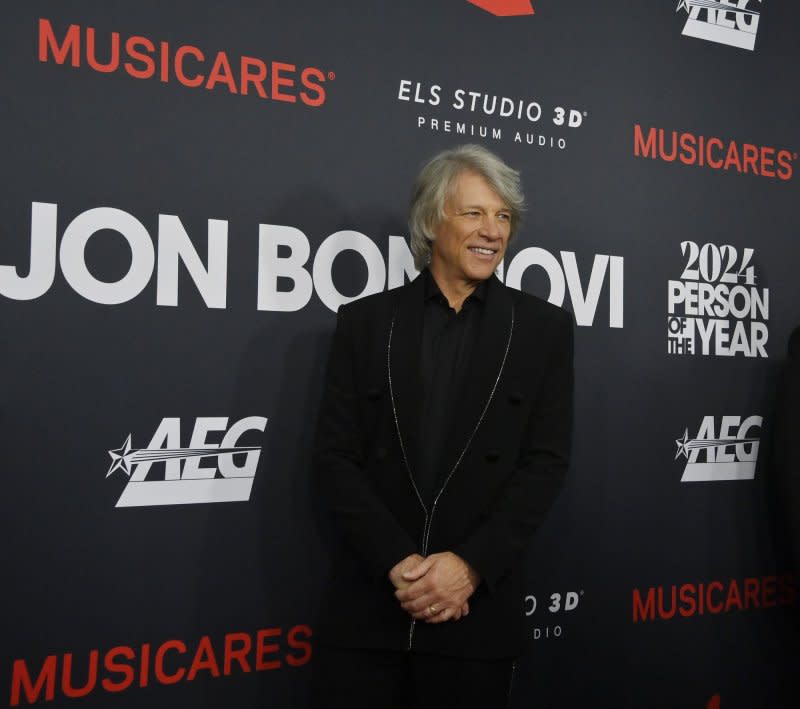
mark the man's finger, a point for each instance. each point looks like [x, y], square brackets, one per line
[423, 614]
[412, 592]
[419, 570]
[430, 611]
[420, 605]
[465, 608]
[441, 616]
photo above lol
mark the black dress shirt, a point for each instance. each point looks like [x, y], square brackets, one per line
[448, 339]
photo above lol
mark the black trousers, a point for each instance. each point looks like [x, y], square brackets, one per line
[375, 679]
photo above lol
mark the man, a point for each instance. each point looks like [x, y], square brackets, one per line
[443, 439]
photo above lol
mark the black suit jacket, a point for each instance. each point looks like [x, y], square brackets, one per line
[505, 462]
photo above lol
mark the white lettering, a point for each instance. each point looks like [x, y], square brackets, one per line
[401, 262]
[323, 264]
[231, 439]
[584, 306]
[174, 245]
[192, 470]
[43, 257]
[535, 256]
[73, 264]
[167, 435]
[271, 267]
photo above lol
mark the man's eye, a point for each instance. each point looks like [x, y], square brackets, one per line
[505, 216]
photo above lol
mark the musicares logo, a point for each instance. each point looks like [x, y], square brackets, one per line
[710, 151]
[505, 8]
[145, 58]
[715, 597]
[124, 667]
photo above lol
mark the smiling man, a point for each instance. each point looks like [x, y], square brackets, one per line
[443, 439]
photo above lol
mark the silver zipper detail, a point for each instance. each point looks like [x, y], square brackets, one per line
[396, 421]
[429, 515]
[405, 457]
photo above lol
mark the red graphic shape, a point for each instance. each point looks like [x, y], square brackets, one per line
[505, 8]
[714, 702]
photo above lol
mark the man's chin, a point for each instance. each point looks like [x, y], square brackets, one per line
[481, 273]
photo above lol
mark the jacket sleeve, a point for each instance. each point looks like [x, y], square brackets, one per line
[362, 517]
[498, 542]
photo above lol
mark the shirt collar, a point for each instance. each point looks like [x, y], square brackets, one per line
[432, 289]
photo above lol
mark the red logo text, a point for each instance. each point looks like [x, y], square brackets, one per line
[169, 662]
[145, 58]
[716, 153]
[714, 597]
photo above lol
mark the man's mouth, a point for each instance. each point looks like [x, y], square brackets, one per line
[483, 251]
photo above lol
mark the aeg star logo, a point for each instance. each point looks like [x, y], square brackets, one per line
[193, 484]
[731, 455]
[505, 8]
[726, 22]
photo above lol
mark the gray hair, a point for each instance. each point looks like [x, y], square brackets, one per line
[434, 184]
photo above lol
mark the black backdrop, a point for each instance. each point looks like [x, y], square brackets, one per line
[142, 318]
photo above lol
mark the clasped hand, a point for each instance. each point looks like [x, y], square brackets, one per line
[434, 588]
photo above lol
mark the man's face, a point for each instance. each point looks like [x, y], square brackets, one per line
[471, 239]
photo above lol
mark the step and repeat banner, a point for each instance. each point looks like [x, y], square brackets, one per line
[189, 192]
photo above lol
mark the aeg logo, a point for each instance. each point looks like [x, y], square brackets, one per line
[726, 22]
[229, 481]
[505, 8]
[730, 451]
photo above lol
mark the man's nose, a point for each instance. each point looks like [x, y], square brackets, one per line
[491, 227]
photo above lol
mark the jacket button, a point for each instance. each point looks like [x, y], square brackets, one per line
[374, 394]
[381, 453]
[516, 398]
[492, 456]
